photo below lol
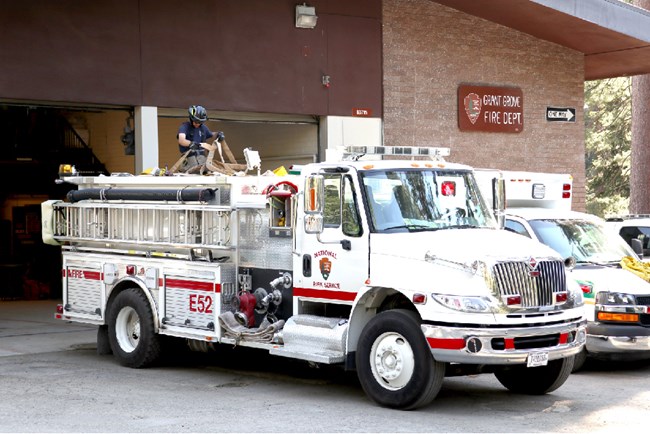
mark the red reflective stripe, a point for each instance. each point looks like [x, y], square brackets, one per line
[93, 275]
[564, 338]
[447, 344]
[190, 284]
[324, 293]
[509, 343]
[85, 274]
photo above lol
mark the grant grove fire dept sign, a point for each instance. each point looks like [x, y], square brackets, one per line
[490, 108]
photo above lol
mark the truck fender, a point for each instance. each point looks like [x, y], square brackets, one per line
[369, 302]
[131, 282]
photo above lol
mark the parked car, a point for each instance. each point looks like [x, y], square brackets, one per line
[617, 300]
[633, 227]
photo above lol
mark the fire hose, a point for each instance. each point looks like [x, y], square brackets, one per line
[234, 330]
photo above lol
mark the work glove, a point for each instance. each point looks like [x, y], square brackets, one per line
[194, 146]
[220, 136]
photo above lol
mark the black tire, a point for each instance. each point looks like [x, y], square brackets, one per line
[392, 342]
[131, 330]
[579, 360]
[103, 342]
[536, 381]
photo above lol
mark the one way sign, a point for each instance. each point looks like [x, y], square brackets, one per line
[557, 114]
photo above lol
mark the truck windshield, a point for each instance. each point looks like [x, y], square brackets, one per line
[584, 240]
[420, 200]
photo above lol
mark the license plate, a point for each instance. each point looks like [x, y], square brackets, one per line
[537, 359]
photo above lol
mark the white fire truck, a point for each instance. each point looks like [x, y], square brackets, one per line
[395, 269]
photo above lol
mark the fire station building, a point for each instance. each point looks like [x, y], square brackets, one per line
[104, 85]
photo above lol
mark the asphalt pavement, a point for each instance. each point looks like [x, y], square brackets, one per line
[53, 380]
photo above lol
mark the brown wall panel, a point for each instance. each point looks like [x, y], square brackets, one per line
[354, 69]
[236, 55]
[69, 50]
[245, 56]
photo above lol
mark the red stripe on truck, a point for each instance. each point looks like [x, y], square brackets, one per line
[192, 285]
[325, 294]
[447, 344]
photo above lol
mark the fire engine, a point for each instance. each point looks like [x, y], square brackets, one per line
[391, 267]
[617, 302]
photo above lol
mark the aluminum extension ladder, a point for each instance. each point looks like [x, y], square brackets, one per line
[189, 226]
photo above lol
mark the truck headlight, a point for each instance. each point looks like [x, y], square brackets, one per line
[475, 304]
[576, 293]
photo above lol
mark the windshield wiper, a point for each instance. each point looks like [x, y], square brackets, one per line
[412, 228]
[462, 227]
[602, 264]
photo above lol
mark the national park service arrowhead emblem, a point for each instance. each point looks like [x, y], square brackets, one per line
[472, 104]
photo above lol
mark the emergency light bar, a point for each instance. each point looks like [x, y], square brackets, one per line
[405, 151]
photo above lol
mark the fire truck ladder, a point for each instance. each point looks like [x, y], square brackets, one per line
[142, 228]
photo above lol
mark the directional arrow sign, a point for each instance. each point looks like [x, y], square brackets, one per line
[560, 114]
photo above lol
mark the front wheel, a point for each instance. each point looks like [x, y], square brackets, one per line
[579, 360]
[394, 362]
[131, 330]
[538, 380]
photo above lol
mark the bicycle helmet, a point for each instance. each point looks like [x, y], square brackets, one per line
[198, 114]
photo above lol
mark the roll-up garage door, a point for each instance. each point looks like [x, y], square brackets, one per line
[281, 140]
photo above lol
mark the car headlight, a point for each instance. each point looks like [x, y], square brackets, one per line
[615, 298]
[469, 304]
[618, 307]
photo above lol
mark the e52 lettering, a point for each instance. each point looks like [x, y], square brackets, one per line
[200, 303]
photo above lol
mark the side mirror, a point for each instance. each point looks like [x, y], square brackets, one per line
[314, 194]
[499, 200]
[637, 246]
[570, 263]
[314, 203]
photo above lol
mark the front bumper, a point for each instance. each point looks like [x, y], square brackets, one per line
[504, 346]
[618, 342]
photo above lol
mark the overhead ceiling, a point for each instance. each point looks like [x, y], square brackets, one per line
[614, 36]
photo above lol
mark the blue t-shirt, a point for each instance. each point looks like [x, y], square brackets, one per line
[198, 135]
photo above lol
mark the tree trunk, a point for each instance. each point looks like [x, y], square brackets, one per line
[640, 149]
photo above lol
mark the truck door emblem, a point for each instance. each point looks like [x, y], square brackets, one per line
[472, 104]
[325, 267]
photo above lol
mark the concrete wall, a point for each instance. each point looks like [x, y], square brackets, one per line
[430, 49]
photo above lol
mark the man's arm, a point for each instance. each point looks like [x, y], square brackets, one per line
[183, 141]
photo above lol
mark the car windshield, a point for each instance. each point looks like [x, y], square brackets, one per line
[586, 241]
[420, 200]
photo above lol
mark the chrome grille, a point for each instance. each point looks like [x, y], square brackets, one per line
[514, 278]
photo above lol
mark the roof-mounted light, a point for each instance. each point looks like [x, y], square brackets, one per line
[434, 153]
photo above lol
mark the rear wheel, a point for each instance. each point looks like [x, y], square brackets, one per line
[394, 362]
[538, 380]
[131, 330]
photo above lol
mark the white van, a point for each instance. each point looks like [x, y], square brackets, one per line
[633, 227]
